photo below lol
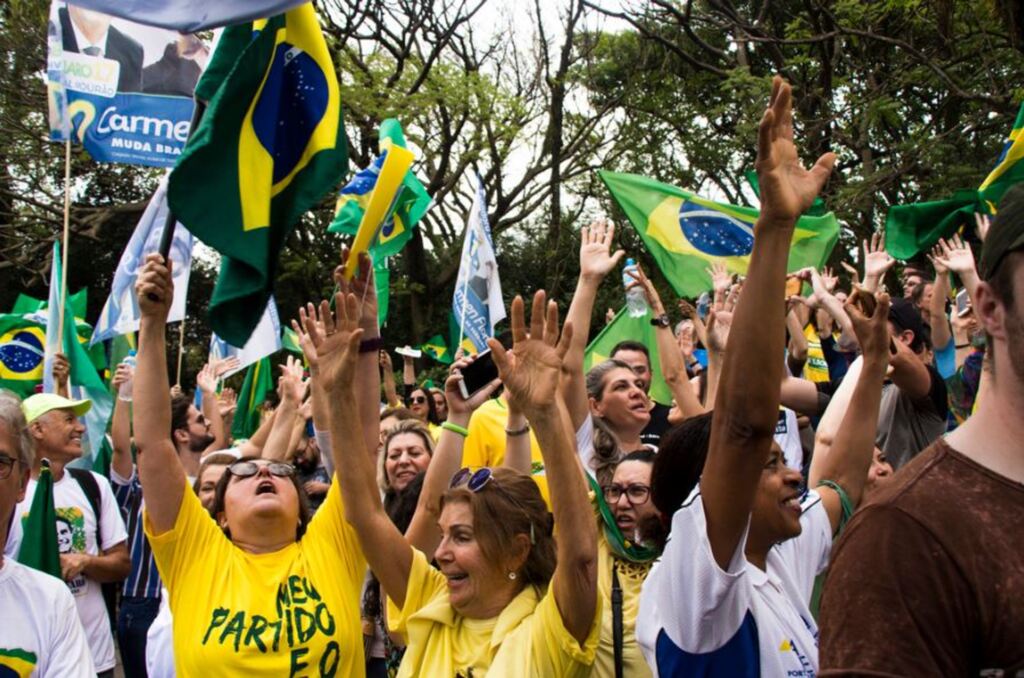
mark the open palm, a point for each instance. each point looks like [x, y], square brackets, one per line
[337, 342]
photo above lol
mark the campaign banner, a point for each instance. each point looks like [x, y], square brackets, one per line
[121, 89]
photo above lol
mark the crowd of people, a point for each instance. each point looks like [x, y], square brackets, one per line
[834, 489]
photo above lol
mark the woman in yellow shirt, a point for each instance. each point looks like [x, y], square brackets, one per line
[499, 605]
[259, 592]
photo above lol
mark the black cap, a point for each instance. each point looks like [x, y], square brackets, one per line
[905, 316]
[1006, 232]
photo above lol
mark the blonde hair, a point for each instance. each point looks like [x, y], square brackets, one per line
[405, 426]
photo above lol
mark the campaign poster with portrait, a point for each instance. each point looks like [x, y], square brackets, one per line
[121, 89]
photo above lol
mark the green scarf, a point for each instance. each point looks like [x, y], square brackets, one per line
[620, 546]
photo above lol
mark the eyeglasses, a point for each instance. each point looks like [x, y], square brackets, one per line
[247, 469]
[6, 466]
[636, 494]
[418, 400]
[476, 481]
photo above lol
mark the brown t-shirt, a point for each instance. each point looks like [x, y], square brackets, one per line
[928, 578]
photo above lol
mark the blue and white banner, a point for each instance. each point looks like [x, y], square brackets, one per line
[264, 340]
[120, 314]
[190, 16]
[477, 304]
[121, 89]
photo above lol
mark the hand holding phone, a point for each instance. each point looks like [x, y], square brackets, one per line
[478, 374]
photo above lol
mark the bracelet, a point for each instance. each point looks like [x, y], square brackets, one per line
[455, 428]
[519, 431]
[371, 345]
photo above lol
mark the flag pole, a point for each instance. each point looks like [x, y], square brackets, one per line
[462, 315]
[181, 349]
[64, 245]
[168, 235]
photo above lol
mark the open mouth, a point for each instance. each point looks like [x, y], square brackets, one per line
[266, 487]
[455, 577]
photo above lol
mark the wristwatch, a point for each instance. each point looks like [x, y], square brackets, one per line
[661, 321]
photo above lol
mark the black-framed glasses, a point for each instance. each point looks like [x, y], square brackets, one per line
[247, 469]
[636, 493]
[6, 466]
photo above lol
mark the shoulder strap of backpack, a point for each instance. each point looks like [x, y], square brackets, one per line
[87, 481]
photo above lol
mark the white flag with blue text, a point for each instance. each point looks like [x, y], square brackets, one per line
[264, 340]
[478, 305]
[120, 314]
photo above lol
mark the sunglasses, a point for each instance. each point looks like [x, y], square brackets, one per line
[247, 469]
[418, 400]
[478, 480]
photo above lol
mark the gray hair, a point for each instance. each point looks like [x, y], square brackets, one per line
[14, 418]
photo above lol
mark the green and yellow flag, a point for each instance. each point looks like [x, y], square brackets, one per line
[436, 348]
[623, 328]
[259, 379]
[269, 146]
[910, 229]
[686, 233]
[22, 350]
[39, 544]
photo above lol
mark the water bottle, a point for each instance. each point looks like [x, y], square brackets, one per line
[636, 299]
[124, 391]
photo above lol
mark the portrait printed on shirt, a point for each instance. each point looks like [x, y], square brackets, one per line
[71, 539]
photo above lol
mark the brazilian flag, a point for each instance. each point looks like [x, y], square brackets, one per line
[409, 206]
[259, 379]
[269, 146]
[39, 544]
[436, 348]
[910, 229]
[17, 663]
[22, 350]
[625, 327]
[686, 233]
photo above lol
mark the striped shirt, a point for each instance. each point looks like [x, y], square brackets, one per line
[143, 581]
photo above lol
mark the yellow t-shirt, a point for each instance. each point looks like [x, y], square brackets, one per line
[527, 639]
[293, 612]
[485, 444]
[631, 579]
[816, 368]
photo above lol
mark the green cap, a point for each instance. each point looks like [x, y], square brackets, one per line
[39, 404]
[1006, 232]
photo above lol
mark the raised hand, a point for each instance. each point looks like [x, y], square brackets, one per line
[720, 322]
[385, 361]
[596, 259]
[876, 260]
[955, 255]
[937, 261]
[362, 286]
[721, 279]
[653, 298]
[530, 371]
[61, 369]
[227, 402]
[291, 386]
[308, 317]
[787, 188]
[828, 279]
[154, 288]
[872, 329]
[224, 365]
[336, 345]
[206, 381]
[982, 222]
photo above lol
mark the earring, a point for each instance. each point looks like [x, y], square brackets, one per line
[511, 576]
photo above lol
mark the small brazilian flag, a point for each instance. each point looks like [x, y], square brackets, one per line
[17, 663]
[39, 544]
[269, 146]
[22, 349]
[258, 381]
[910, 229]
[686, 233]
[409, 206]
[437, 349]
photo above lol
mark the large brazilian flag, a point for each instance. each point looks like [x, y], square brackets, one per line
[686, 233]
[22, 349]
[269, 146]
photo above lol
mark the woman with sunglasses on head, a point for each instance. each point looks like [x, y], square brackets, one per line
[499, 602]
[259, 590]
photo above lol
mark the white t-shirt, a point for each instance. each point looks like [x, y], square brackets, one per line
[787, 435]
[40, 634]
[697, 619]
[76, 533]
[160, 641]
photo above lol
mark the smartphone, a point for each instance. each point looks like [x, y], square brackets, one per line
[478, 374]
[963, 303]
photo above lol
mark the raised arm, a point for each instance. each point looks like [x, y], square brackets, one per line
[423, 532]
[336, 381]
[121, 426]
[206, 382]
[387, 371]
[673, 368]
[876, 261]
[290, 389]
[518, 455]
[846, 457]
[160, 471]
[596, 262]
[746, 409]
[942, 332]
[531, 373]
